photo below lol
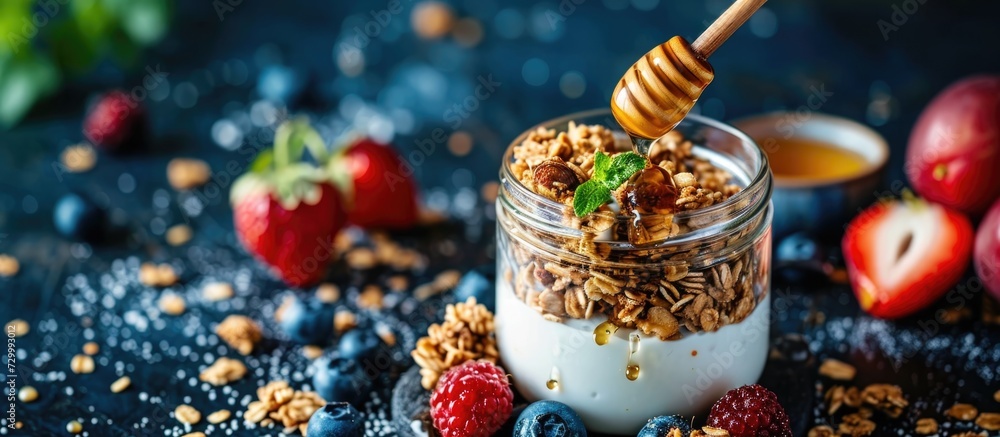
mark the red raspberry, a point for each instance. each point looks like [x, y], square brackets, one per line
[471, 400]
[750, 411]
[116, 122]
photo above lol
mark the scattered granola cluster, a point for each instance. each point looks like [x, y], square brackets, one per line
[665, 292]
[223, 371]
[240, 332]
[466, 334]
[279, 404]
[888, 400]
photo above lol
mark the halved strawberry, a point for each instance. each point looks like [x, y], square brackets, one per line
[384, 193]
[287, 212]
[903, 255]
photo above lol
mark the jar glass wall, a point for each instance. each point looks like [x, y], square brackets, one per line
[622, 331]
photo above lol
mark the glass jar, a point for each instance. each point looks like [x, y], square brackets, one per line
[623, 332]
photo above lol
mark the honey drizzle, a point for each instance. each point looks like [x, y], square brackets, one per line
[631, 368]
[603, 333]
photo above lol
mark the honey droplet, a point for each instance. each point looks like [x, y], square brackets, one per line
[632, 372]
[603, 333]
[552, 384]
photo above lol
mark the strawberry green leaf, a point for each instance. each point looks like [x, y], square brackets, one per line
[623, 166]
[263, 162]
[589, 196]
[292, 138]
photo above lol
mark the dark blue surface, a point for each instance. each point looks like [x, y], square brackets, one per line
[791, 51]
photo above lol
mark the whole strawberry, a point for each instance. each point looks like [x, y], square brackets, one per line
[750, 411]
[471, 400]
[287, 212]
[384, 193]
[116, 123]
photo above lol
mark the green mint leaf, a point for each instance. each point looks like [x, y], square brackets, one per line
[589, 196]
[623, 166]
[602, 163]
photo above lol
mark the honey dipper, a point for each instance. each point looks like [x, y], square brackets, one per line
[657, 92]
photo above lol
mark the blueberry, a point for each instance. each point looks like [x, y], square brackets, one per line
[281, 84]
[340, 380]
[358, 343]
[308, 321]
[798, 248]
[662, 425]
[78, 217]
[549, 419]
[476, 284]
[336, 419]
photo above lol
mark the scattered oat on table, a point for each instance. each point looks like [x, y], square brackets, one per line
[179, 234]
[217, 291]
[398, 283]
[218, 417]
[187, 173]
[91, 348]
[194, 434]
[312, 352]
[361, 258]
[711, 431]
[836, 369]
[962, 411]
[385, 333]
[172, 304]
[328, 293]
[344, 320]
[989, 421]
[157, 275]
[82, 364]
[18, 326]
[996, 396]
[78, 158]
[27, 394]
[821, 431]
[121, 384]
[926, 426]
[371, 298]
[239, 332]
[223, 371]
[187, 414]
[9, 266]
[74, 427]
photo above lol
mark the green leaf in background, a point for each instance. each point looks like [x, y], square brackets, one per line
[145, 21]
[589, 196]
[263, 162]
[23, 80]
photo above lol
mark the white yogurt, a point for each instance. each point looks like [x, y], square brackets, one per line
[675, 377]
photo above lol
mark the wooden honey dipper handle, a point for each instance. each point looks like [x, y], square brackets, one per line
[724, 26]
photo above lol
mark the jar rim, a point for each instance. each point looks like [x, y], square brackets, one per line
[759, 181]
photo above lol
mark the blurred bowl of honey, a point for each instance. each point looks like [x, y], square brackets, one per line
[826, 168]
